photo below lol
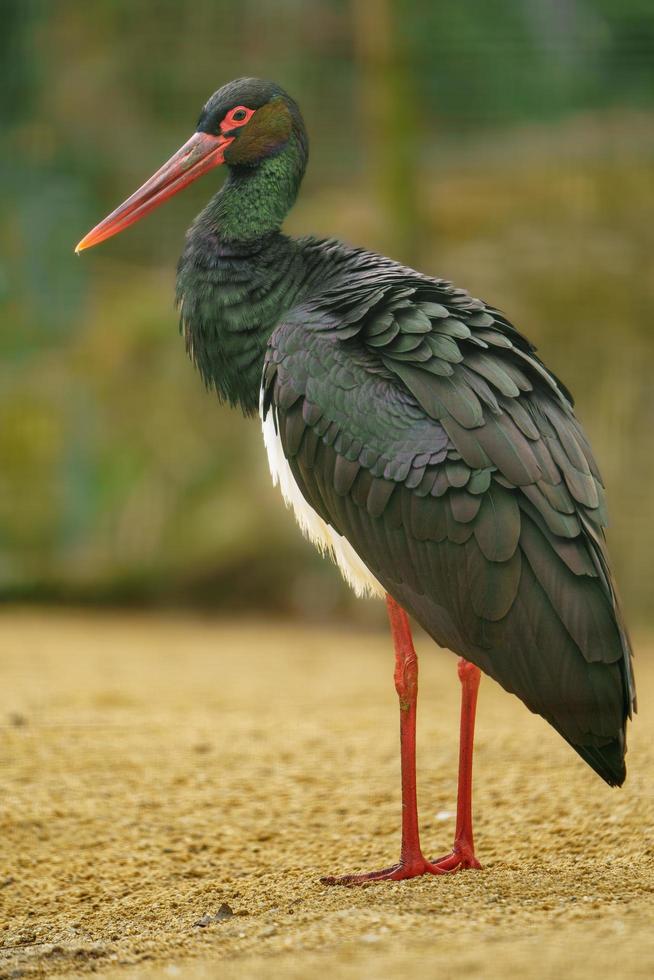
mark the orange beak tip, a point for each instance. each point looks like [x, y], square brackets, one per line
[82, 245]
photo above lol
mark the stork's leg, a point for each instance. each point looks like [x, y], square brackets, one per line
[463, 852]
[412, 862]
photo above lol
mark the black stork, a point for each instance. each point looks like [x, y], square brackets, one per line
[419, 439]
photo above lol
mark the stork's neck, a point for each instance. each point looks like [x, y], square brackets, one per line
[254, 201]
[238, 274]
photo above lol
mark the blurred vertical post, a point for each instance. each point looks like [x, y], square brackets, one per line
[389, 122]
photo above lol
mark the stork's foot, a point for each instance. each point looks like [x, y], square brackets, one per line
[462, 858]
[397, 872]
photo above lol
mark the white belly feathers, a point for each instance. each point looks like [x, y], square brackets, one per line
[355, 573]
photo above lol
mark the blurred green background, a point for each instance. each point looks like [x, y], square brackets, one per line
[504, 144]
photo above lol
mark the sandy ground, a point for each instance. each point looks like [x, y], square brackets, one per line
[154, 768]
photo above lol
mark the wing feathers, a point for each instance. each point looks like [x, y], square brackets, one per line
[423, 428]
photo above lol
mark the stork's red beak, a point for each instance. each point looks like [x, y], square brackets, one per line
[198, 155]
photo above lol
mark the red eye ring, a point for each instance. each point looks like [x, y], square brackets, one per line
[238, 116]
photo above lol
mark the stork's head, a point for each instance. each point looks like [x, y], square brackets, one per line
[243, 124]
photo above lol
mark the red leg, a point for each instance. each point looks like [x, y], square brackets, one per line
[412, 862]
[463, 852]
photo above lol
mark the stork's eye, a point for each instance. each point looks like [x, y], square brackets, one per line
[238, 116]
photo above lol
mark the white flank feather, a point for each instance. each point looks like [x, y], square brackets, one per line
[327, 540]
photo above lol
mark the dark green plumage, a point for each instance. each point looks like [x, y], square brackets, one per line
[490, 532]
[421, 426]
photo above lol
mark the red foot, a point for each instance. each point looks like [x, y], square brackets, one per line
[397, 872]
[462, 858]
